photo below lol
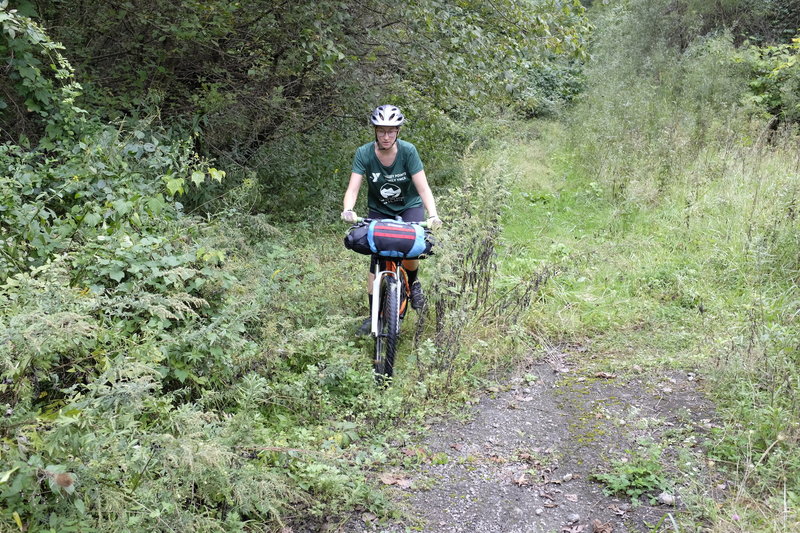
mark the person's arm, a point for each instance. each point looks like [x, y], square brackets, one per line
[421, 183]
[351, 194]
[350, 197]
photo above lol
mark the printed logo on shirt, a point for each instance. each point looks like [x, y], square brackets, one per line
[396, 177]
[375, 176]
[390, 193]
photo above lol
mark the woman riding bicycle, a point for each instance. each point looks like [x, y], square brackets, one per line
[397, 186]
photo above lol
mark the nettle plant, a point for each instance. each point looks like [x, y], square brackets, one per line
[40, 99]
[80, 179]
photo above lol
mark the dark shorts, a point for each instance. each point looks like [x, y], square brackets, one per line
[412, 214]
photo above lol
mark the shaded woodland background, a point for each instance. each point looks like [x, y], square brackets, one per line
[172, 352]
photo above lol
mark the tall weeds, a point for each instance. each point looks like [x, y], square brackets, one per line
[665, 134]
[461, 282]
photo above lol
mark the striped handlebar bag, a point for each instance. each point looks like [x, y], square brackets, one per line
[389, 238]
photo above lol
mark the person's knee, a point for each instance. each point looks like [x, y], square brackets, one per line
[370, 282]
[411, 264]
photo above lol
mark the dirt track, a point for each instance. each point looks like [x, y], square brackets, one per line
[523, 461]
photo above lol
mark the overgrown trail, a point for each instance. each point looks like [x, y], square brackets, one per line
[606, 411]
[523, 461]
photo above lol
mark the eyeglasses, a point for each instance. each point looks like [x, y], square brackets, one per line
[386, 133]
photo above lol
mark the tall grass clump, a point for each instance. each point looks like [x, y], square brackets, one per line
[462, 298]
[669, 132]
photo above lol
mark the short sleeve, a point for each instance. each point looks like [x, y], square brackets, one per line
[414, 162]
[359, 165]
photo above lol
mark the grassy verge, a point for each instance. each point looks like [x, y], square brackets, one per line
[685, 281]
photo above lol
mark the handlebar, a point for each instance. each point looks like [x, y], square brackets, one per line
[362, 219]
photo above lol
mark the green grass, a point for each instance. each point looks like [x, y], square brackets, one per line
[661, 283]
[611, 279]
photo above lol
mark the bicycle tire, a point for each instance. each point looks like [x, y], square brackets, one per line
[388, 329]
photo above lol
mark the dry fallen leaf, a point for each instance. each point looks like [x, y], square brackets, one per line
[606, 375]
[571, 497]
[599, 527]
[521, 480]
[616, 510]
[457, 447]
[401, 480]
[413, 452]
[574, 529]
[64, 480]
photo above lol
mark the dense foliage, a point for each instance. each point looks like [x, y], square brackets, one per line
[248, 73]
[173, 354]
[171, 372]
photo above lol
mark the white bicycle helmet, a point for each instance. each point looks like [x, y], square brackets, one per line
[387, 115]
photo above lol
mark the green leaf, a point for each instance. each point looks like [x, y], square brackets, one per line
[216, 175]
[198, 177]
[91, 220]
[6, 475]
[156, 204]
[117, 275]
[122, 207]
[175, 186]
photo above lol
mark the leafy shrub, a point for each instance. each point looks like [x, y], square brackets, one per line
[38, 103]
[550, 88]
[775, 79]
[639, 474]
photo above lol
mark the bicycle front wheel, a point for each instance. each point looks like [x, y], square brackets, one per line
[388, 329]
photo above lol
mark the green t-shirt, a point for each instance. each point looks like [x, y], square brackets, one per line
[390, 189]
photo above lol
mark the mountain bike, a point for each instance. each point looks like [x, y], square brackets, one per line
[391, 294]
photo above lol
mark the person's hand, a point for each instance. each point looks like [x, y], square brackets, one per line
[348, 215]
[434, 222]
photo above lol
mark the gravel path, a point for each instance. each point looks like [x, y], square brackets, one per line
[522, 463]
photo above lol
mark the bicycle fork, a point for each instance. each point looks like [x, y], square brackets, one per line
[377, 297]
